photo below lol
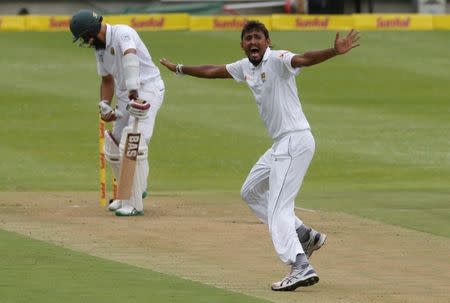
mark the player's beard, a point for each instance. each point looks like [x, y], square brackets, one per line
[255, 62]
[98, 44]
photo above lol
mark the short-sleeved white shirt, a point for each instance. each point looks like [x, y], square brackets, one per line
[119, 38]
[273, 85]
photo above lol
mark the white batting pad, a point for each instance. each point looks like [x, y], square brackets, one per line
[140, 182]
[112, 153]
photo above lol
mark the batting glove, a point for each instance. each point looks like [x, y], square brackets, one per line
[107, 113]
[138, 108]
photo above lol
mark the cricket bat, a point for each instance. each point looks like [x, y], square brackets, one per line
[128, 164]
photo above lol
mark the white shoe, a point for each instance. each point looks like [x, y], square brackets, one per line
[128, 211]
[297, 278]
[115, 205]
[316, 240]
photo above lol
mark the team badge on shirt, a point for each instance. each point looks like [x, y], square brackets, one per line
[113, 52]
[263, 77]
[125, 38]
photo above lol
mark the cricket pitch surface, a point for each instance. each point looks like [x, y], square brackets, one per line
[215, 239]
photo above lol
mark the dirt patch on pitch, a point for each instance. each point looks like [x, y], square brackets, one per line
[216, 240]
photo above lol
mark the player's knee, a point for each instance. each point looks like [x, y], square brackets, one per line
[143, 152]
[111, 149]
[245, 193]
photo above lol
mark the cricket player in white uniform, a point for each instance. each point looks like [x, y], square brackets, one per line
[127, 70]
[276, 178]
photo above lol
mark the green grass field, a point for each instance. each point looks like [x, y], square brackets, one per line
[379, 116]
[47, 273]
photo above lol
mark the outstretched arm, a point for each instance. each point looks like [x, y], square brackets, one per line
[341, 46]
[200, 71]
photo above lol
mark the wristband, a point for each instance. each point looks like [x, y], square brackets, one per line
[179, 69]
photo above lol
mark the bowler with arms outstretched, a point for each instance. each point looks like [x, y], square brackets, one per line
[276, 178]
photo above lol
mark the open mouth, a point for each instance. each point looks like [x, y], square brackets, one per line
[254, 50]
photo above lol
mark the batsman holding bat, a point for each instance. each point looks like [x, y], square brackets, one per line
[276, 178]
[126, 70]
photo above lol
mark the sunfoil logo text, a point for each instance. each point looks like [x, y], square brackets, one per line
[61, 23]
[150, 22]
[233, 23]
[396, 22]
[312, 22]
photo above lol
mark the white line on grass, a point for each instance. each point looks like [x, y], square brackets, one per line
[305, 209]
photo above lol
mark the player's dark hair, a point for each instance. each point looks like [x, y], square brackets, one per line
[254, 25]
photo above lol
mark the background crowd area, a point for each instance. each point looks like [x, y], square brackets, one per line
[231, 15]
[226, 7]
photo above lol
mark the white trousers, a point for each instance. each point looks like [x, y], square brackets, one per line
[153, 93]
[272, 185]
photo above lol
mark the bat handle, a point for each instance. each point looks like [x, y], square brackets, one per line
[135, 124]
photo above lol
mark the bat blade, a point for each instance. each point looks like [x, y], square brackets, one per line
[128, 166]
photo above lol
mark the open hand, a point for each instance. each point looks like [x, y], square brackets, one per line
[343, 45]
[171, 66]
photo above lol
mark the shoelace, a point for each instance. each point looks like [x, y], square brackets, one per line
[289, 278]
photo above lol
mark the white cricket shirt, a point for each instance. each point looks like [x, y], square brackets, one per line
[119, 38]
[273, 85]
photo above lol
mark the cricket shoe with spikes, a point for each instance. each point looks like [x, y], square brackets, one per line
[316, 240]
[128, 211]
[114, 205]
[306, 276]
